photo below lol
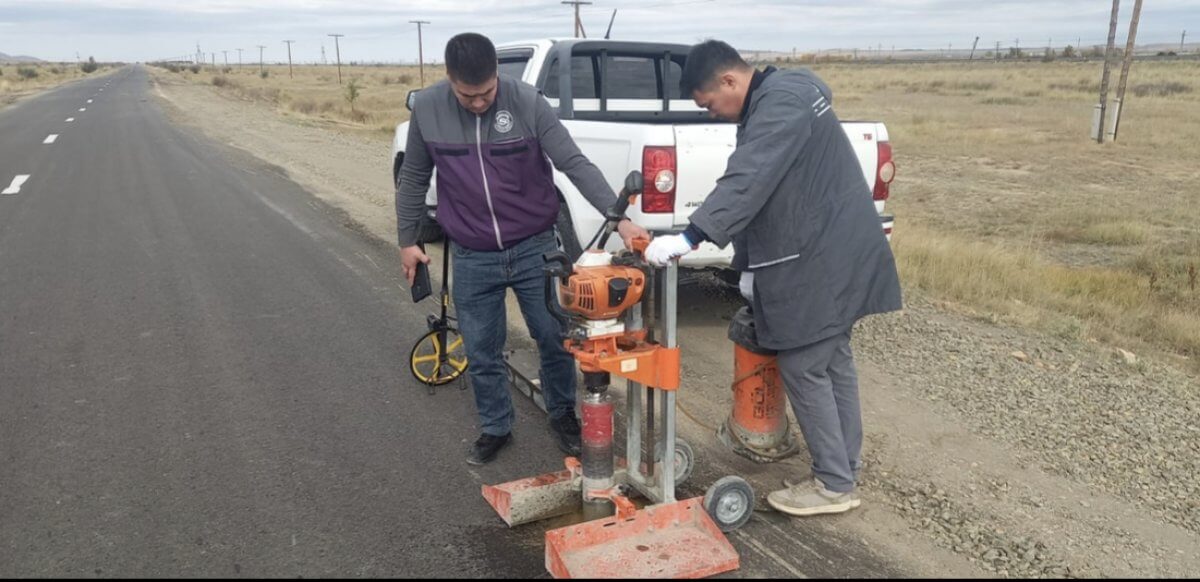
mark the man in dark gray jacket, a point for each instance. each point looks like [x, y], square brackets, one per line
[489, 136]
[813, 255]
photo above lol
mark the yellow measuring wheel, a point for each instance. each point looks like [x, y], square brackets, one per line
[438, 357]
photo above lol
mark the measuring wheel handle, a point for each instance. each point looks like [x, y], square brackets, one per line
[729, 502]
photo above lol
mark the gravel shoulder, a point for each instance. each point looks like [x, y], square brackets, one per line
[991, 451]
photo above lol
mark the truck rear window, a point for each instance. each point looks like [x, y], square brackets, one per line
[629, 77]
[513, 63]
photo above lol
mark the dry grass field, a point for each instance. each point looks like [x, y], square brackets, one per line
[312, 94]
[1005, 209]
[18, 80]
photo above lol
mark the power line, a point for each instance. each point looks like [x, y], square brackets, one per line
[338, 49]
[420, 48]
[1112, 38]
[289, 43]
[578, 23]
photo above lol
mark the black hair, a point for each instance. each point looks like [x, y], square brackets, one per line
[470, 58]
[705, 62]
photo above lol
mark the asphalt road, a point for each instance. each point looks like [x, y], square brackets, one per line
[203, 373]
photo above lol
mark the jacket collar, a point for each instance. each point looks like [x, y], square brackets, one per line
[759, 77]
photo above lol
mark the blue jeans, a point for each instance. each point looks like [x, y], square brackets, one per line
[481, 281]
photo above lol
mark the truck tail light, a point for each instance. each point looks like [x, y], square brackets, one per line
[885, 172]
[658, 172]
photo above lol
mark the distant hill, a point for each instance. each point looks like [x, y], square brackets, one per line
[18, 59]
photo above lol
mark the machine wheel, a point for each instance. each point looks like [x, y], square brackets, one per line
[729, 502]
[685, 459]
[434, 364]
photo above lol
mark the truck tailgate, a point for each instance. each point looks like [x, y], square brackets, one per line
[702, 152]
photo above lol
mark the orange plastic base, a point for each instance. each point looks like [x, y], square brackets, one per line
[674, 540]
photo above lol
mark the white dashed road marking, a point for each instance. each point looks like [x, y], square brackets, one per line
[89, 100]
[83, 108]
[16, 184]
[70, 119]
[50, 138]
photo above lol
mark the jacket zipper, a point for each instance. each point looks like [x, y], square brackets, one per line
[487, 191]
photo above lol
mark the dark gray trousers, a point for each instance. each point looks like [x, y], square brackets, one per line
[822, 386]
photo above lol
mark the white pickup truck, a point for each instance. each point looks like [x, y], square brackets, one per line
[620, 101]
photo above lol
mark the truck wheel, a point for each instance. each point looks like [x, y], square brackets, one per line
[567, 242]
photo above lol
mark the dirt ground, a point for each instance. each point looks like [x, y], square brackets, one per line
[958, 481]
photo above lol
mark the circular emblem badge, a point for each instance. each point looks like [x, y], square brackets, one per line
[504, 122]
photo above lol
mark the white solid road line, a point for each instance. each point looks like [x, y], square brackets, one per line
[50, 138]
[16, 184]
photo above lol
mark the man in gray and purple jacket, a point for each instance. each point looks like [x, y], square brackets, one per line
[492, 139]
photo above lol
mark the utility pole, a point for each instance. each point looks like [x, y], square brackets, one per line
[338, 49]
[1181, 37]
[214, 59]
[260, 58]
[199, 55]
[997, 50]
[578, 22]
[420, 48]
[323, 60]
[972, 57]
[226, 53]
[1133, 25]
[239, 58]
[289, 43]
[1112, 39]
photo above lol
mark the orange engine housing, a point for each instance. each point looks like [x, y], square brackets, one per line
[602, 292]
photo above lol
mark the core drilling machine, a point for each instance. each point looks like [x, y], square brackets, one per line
[609, 303]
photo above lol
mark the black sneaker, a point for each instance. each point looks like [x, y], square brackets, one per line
[566, 431]
[486, 447]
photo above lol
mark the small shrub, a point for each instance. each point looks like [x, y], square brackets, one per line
[90, 66]
[406, 79]
[352, 93]
[1049, 56]
[1068, 52]
[326, 106]
[360, 116]
[220, 81]
[974, 85]
[227, 70]
[264, 74]
[1161, 89]
[305, 106]
[195, 69]
[27, 73]
[1002, 101]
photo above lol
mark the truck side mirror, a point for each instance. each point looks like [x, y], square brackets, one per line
[411, 99]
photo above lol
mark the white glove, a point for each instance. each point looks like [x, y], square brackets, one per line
[664, 248]
[746, 285]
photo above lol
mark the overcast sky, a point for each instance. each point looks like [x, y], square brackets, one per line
[379, 30]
